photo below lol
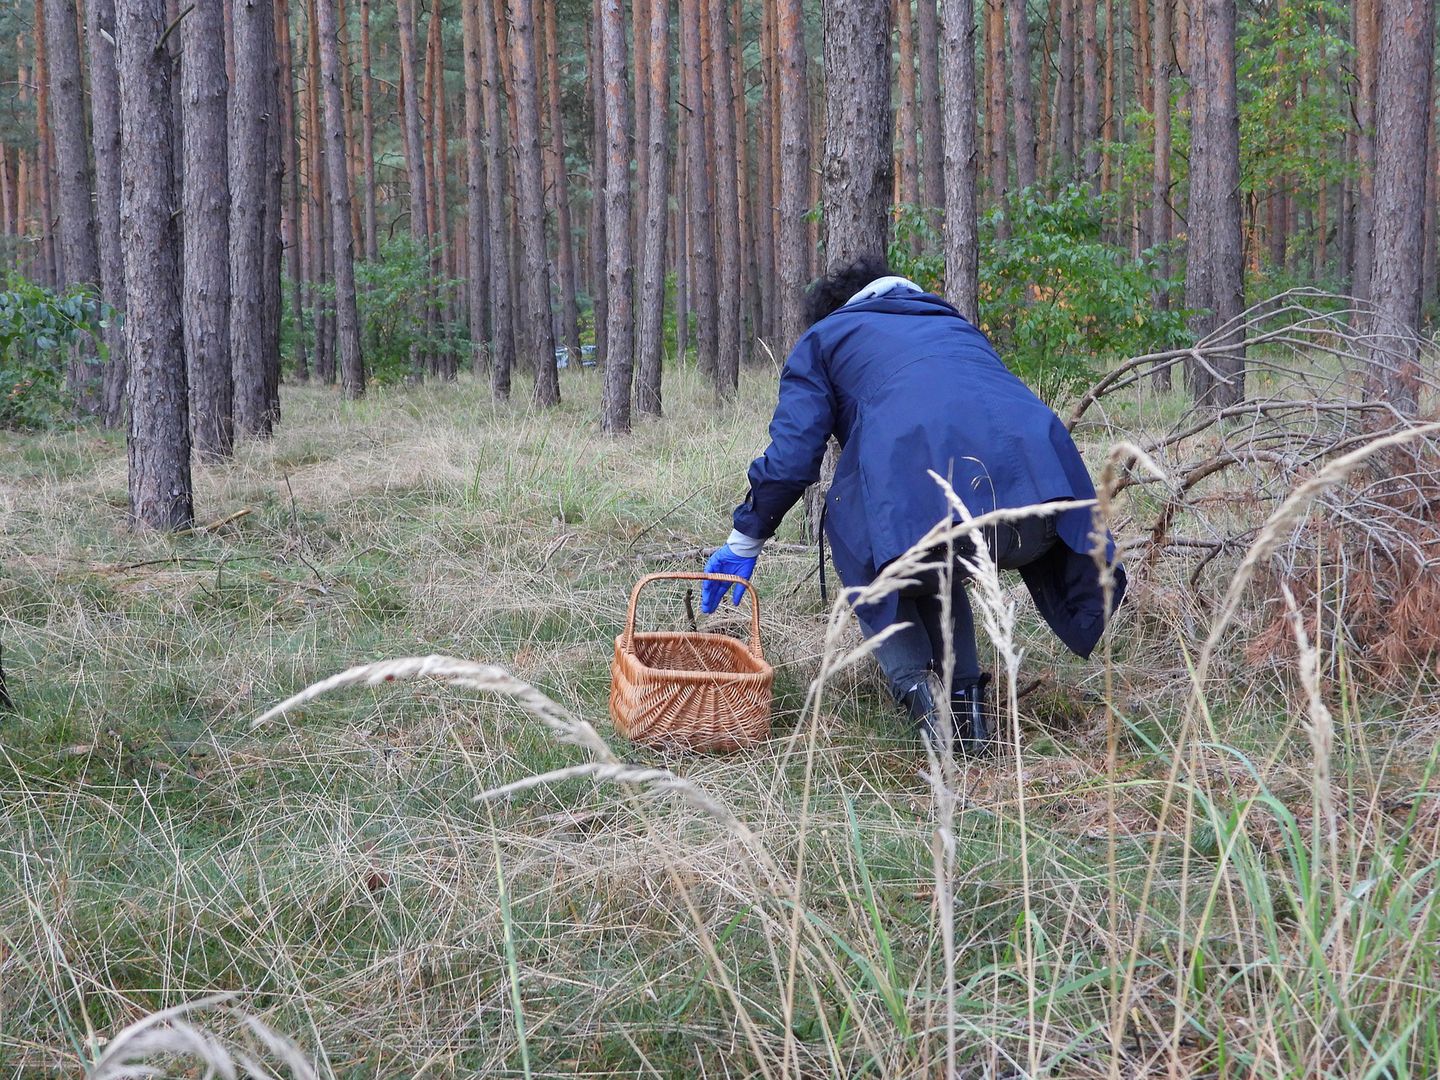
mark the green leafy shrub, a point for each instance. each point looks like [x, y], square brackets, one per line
[38, 328]
[1055, 298]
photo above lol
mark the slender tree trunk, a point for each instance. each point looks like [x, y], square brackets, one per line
[932, 139]
[342, 240]
[502, 344]
[619, 358]
[105, 135]
[78, 255]
[367, 133]
[159, 442]
[207, 230]
[530, 204]
[442, 361]
[289, 135]
[909, 136]
[1432, 188]
[727, 203]
[1215, 284]
[997, 160]
[51, 270]
[250, 97]
[1065, 96]
[273, 251]
[320, 247]
[1367, 51]
[657, 209]
[599, 151]
[763, 203]
[750, 300]
[962, 246]
[794, 260]
[564, 235]
[414, 157]
[1020, 94]
[1160, 177]
[682, 244]
[858, 160]
[639, 112]
[1403, 82]
[1108, 125]
[1090, 101]
[702, 222]
[477, 293]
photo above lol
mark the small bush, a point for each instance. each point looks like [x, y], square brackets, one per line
[38, 328]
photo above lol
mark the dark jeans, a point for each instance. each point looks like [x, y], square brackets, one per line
[908, 655]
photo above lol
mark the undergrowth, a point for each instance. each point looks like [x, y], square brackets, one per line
[1218, 883]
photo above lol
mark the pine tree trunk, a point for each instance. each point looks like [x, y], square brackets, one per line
[206, 238]
[318, 188]
[477, 284]
[750, 300]
[794, 182]
[442, 361]
[763, 203]
[1403, 81]
[1215, 284]
[1367, 52]
[657, 209]
[727, 203]
[599, 151]
[289, 135]
[1090, 100]
[909, 135]
[78, 255]
[932, 138]
[1021, 95]
[639, 112]
[249, 118]
[996, 158]
[105, 137]
[367, 132]
[702, 220]
[1108, 127]
[51, 271]
[502, 343]
[962, 246]
[1160, 176]
[1064, 170]
[414, 160]
[159, 442]
[619, 362]
[858, 160]
[342, 240]
[539, 336]
[272, 293]
[566, 276]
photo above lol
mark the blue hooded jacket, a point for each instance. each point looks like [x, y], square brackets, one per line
[906, 385]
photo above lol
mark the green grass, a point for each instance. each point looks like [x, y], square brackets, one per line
[332, 869]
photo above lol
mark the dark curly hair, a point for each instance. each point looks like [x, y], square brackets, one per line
[828, 294]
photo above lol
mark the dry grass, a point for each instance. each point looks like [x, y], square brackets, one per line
[1228, 879]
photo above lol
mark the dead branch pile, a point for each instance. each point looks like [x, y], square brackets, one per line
[1321, 380]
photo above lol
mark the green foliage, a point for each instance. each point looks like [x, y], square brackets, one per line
[1054, 296]
[38, 327]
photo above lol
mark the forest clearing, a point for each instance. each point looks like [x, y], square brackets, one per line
[358, 359]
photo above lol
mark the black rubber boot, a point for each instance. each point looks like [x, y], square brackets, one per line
[974, 719]
[919, 701]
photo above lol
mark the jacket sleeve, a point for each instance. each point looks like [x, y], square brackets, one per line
[803, 421]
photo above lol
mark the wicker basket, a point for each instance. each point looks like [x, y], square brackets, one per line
[691, 690]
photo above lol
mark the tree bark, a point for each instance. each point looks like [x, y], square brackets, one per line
[502, 342]
[78, 258]
[996, 157]
[794, 184]
[51, 272]
[1064, 169]
[962, 246]
[105, 136]
[477, 284]
[273, 250]
[565, 268]
[1090, 100]
[858, 160]
[1021, 95]
[619, 364]
[727, 203]
[367, 133]
[250, 97]
[1160, 230]
[441, 360]
[206, 238]
[1367, 51]
[414, 159]
[1108, 126]
[1215, 283]
[342, 240]
[1406, 67]
[539, 335]
[702, 221]
[159, 440]
[319, 247]
[291, 225]
[932, 128]
[599, 151]
[657, 212]
[909, 136]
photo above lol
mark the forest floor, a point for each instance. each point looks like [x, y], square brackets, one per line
[333, 870]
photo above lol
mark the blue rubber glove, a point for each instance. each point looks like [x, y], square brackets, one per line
[724, 561]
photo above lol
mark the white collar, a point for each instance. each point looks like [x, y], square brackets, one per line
[881, 286]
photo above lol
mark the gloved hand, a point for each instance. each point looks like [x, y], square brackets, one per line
[724, 561]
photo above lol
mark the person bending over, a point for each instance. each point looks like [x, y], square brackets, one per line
[907, 385]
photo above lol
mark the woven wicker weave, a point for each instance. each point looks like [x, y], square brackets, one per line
[691, 690]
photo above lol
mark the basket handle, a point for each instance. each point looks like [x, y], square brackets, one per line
[629, 635]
